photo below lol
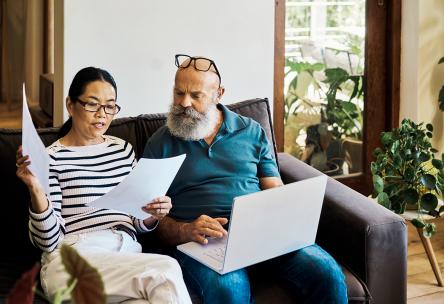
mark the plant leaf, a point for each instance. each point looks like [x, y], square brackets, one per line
[423, 157]
[89, 287]
[429, 201]
[441, 99]
[429, 230]
[378, 183]
[429, 127]
[428, 181]
[409, 174]
[383, 199]
[411, 196]
[22, 292]
[418, 223]
[437, 164]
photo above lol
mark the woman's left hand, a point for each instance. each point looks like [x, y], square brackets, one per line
[158, 207]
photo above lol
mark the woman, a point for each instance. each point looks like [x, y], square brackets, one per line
[84, 165]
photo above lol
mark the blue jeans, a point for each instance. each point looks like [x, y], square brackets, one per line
[311, 274]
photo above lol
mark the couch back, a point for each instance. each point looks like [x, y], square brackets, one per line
[15, 196]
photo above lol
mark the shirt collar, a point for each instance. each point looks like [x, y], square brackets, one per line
[233, 122]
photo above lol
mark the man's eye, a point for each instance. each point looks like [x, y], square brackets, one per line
[110, 107]
[196, 96]
[179, 93]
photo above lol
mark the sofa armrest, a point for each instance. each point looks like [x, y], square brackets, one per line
[362, 235]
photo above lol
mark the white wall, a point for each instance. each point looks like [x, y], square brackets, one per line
[136, 41]
[421, 76]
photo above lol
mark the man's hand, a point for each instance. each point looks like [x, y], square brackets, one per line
[204, 227]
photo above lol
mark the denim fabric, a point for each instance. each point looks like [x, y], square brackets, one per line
[311, 274]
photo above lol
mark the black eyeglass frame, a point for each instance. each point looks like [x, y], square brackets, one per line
[212, 63]
[84, 103]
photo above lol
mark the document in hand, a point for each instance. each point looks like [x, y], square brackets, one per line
[33, 146]
[150, 178]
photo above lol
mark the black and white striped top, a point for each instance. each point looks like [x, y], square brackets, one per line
[78, 176]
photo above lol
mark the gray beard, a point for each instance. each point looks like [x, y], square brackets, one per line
[189, 124]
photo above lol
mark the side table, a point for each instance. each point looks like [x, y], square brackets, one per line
[409, 215]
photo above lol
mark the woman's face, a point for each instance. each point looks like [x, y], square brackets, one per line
[88, 126]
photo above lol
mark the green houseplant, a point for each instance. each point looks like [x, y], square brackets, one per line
[407, 173]
[341, 119]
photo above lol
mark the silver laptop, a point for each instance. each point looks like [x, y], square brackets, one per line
[265, 225]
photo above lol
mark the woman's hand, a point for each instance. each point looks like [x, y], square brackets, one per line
[158, 207]
[22, 163]
[39, 203]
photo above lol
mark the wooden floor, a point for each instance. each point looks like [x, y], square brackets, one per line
[422, 286]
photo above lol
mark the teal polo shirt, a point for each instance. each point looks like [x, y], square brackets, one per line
[212, 175]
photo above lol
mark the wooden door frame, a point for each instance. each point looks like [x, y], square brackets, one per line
[382, 59]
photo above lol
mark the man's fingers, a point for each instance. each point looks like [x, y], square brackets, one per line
[211, 233]
[200, 239]
[222, 220]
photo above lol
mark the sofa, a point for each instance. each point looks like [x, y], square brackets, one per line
[368, 241]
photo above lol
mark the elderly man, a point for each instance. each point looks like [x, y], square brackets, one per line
[227, 155]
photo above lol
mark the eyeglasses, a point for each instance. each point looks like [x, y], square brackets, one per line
[90, 106]
[200, 64]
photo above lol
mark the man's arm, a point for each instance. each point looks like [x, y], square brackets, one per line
[173, 232]
[270, 182]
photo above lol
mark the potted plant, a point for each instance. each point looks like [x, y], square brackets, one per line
[406, 173]
[341, 119]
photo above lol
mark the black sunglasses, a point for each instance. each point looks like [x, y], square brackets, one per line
[200, 64]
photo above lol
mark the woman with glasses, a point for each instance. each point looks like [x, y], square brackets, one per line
[84, 165]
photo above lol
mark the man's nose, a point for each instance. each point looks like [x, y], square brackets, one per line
[186, 101]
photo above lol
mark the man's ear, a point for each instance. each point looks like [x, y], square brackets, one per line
[220, 93]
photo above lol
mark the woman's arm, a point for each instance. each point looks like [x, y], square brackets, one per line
[46, 225]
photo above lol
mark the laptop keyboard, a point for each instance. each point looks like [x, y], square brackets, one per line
[216, 253]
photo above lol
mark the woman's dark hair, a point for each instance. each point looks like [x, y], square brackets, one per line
[84, 77]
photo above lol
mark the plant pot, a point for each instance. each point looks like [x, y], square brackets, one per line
[333, 169]
[411, 206]
[353, 150]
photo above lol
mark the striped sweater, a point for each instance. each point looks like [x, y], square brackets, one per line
[78, 176]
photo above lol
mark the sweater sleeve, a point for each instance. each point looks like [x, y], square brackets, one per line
[47, 229]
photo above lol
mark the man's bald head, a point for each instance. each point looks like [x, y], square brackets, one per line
[206, 80]
[198, 63]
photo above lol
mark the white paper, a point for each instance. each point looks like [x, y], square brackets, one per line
[33, 146]
[150, 178]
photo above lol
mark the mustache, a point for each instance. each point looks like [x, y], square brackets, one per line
[179, 110]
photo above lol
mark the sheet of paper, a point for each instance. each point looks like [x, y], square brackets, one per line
[150, 178]
[33, 146]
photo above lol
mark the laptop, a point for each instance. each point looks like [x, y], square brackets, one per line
[265, 225]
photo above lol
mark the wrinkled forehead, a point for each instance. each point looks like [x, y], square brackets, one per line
[191, 78]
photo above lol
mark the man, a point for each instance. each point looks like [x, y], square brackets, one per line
[227, 155]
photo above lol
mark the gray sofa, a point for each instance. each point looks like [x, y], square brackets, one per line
[369, 241]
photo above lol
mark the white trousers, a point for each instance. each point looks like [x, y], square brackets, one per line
[127, 274]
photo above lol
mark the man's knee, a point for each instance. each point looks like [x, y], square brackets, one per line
[228, 287]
